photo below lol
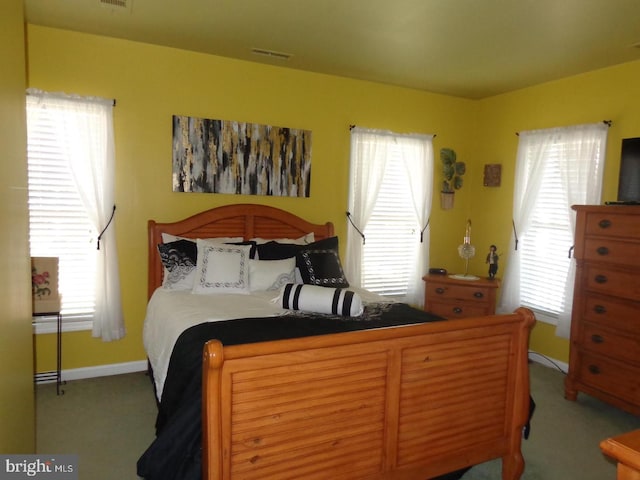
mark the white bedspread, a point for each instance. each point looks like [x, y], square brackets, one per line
[170, 312]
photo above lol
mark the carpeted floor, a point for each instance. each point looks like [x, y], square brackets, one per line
[109, 422]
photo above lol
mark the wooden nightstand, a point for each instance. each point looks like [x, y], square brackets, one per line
[625, 449]
[455, 298]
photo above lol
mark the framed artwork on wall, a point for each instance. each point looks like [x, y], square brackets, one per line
[220, 156]
[492, 174]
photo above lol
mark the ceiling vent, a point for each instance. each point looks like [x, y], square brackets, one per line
[271, 53]
[117, 5]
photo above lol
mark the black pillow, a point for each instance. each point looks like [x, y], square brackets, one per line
[277, 251]
[319, 264]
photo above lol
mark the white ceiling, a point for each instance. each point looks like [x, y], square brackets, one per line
[467, 48]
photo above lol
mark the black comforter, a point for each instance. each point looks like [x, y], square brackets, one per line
[176, 451]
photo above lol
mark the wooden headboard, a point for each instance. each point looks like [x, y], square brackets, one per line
[245, 220]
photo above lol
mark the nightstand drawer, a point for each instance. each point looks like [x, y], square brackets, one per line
[618, 283]
[467, 293]
[612, 225]
[612, 251]
[457, 310]
[605, 342]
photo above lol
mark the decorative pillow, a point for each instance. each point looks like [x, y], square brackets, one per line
[312, 298]
[274, 250]
[252, 252]
[221, 268]
[179, 261]
[303, 240]
[167, 237]
[271, 274]
[320, 264]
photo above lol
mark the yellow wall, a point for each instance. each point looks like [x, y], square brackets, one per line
[17, 418]
[152, 83]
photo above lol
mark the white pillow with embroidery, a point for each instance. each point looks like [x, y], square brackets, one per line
[271, 274]
[221, 268]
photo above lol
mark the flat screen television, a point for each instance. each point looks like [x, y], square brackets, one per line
[629, 182]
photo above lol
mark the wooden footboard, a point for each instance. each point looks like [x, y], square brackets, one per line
[408, 402]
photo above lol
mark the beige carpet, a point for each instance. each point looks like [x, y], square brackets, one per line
[109, 422]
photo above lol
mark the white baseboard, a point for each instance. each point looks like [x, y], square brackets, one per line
[96, 371]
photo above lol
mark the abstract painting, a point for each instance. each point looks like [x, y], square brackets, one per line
[220, 156]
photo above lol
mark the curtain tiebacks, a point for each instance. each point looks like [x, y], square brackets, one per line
[354, 226]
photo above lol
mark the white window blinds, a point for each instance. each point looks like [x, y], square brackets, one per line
[58, 223]
[545, 246]
[390, 202]
[391, 234]
[555, 169]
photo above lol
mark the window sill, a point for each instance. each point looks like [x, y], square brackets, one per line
[545, 317]
[48, 325]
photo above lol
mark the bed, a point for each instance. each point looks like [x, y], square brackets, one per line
[412, 400]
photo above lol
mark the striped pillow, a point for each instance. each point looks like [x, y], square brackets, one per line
[313, 298]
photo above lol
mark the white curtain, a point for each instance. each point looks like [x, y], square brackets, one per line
[580, 150]
[370, 150]
[86, 124]
[417, 154]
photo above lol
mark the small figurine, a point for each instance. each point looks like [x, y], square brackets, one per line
[492, 260]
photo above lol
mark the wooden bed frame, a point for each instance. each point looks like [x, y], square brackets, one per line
[402, 403]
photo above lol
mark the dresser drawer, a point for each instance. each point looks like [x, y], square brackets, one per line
[612, 251]
[619, 283]
[621, 380]
[609, 343]
[610, 224]
[611, 313]
[467, 293]
[457, 309]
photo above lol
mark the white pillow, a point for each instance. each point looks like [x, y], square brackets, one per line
[167, 237]
[271, 274]
[221, 268]
[303, 240]
[314, 298]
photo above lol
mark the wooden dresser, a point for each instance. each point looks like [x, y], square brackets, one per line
[454, 298]
[604, 358]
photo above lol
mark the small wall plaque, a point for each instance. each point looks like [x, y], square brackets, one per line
[492, 174]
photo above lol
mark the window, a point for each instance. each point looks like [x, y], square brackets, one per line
[71, 162]
[390, 195]
[58, 222]
[555, 169]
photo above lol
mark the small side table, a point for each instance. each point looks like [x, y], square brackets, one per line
[625, 449]
[57, 374]
[452, 297]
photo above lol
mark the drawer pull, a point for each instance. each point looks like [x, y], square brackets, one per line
[457, 310]
[594, 369]
[602, 251]
[601, 279]
[478, 294]
[439, 290]
[600, 309]
[597, 338]
[604, 223]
